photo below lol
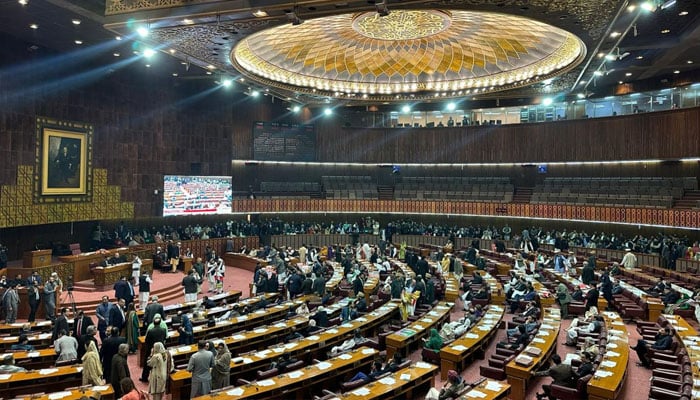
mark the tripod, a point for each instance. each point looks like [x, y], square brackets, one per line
[71, 300]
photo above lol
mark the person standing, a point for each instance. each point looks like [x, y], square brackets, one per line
[136, 268]
[629, 261]
[10, 301]
[66, 347]
[155, 333]
[153, 309]
[144, 289]
[560, 373]
[200, 365]
[117, 318]
[212, 266]
[102, 313]
[189, 282]
[81, 324]
[219, 275]
[564, 298]
[110, 347]
[221, 373]
[92, 369]
[119, 370]
[60, 324]
[33, 298]
[50, 298]
[161, 365]
[131, 328]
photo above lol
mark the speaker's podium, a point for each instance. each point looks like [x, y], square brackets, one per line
[36, 258]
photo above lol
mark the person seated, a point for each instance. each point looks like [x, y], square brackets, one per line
[658, 288]
[208, 303]
[662, 341]
[434, 342]
[531, 310]
[594, 326]
[22, 344]
[477, 279]
[281, 364]
[482, 294]
[8, 365]
[586, 366]
[321, 317]
[522, 339]
[303, 309]
[561, 374]
[590, 346]
[116, 259]
[671, 296]
[360, 304]
[577, 294]
[376, 370]
[530, 327]
[455, 383]
[348, 344]
[393, 365]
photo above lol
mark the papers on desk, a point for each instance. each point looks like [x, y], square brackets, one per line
[247, 360]
[602, 373]
[242, 318]
[547, 320]
[59, 395]
[405, 377]
[615, 332]
[32, 354]
[171, 333]
[4, 377]
[608, 364]
[238, 337]
[266, 382]
[611, 345]
[367, 351]
[542, 333]
[197, 328]
[332, 331]
[345, 356]
[423, 365]
[290, 345]
[493, 386]
[475, 394]
[361, 392]
[100, 388]
[260, 330]
[313, 337]
[278, 350]
[183, 349]
[260, 312]
[263, 353]
[470, 335]
[361, 319]
[428, 320]
[611, 353]
[280, 325]
[387, 380]
[43, 323]
[296, 374]
[681, 328]
[459, 347]
[235, 392]
[538, 340]
[434, 313]
[347, 325]
[79, 369]
[484, 328]
[17, 324]
[47, 371]
[323, 365]
[620, 323]
[546, 326]
[570, 357]
[8, 338]
[696, 394]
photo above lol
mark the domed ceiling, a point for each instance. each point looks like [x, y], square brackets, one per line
[408, 54]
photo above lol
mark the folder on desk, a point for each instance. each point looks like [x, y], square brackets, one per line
[523, 360]
[534, 351]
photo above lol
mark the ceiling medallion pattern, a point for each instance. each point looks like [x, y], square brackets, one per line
[405, 25]
[468, 53]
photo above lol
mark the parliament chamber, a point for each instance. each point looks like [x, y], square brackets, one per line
[354, 200]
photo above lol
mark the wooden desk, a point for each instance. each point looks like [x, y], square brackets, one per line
[487, 390]
[458, 353]
[38, 340]
[609, 387]
[451, 288]
[301, 383]
[106, 277]
[106, 392]
[81, 262]
[307, 348]
[16, 327]
[38, 359]
[421, 376]
[36, 258]
[30, 382]
[404, 338]
[239, 260]
[691, 341]
[518, 375]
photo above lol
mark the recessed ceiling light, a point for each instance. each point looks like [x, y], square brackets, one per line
[631, 8]
[683, 13]
[211, 66]
[78, 42]
[620, 82]
[76, 21]
[116, 54]
[664, 31]
[614, 34]
[677, 72]
[242, 79]
[148, 65]
[208, 72]
[640, 57]
[628, 74]
[601, 55]
[260, 13]
[23, 2]
[183, 63]
[171, 51]
[34, 26]
[117, 38]
[187, 21]
[174, 73]
[689, 61]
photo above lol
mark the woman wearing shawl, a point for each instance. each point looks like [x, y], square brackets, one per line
[131, 327]
[161, 365]
[434, 342]
[454, 385]
[221, 373]
[185, 330]
[157, 320]
[92, 367]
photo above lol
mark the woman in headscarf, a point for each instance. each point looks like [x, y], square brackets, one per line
[161, 364]
[454, 385]
[435, 340]
[92, 367]
[131, 326]
[185, 330]
[221, 373]
[159, 320]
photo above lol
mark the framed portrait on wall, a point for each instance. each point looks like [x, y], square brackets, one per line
[64, 157]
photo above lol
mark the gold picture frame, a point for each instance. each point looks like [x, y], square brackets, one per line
[64, 158]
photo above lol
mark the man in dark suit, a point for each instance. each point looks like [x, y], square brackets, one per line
[319, 286]
[85, 339]
[561, 374]
[321, 317]
[80, 325]
[358, 285]
[592, 298]
[110, 347]
[116, 315]
[61, 324]
[662, 341]
[153, 308]
[121, 288]
[130, 293]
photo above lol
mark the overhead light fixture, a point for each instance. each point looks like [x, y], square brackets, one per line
[451, 106]
[610, 57]
[620, 82]
[148, 65]
[117, 38]
[665, 31]
[683, 13]
[639, 57]
[677, 72]
[175, 74]
[628, 74]
[187, 21]
[623, 55]
[615, 34]
[668, 4]
[148, 53]
[23, 2]
[142, 31]
[75, 21]
[581, 96]
[78, 42]
[296, 109]
[259, 13]
[208, 72]
[382, 9]
[689, 62]
[116, 54]
[255, 93]
[34, 26]
[598, 73]
[211, 66]
[406, 109]
[327, 111]
[648, 6]
[171, 51]
[631, 8]
[227, 83]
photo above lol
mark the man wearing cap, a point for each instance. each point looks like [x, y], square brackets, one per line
[629, 261]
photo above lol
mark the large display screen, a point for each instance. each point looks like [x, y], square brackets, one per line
[190, 195]
[273, 141]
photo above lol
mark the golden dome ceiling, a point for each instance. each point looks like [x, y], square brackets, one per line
[408, 54]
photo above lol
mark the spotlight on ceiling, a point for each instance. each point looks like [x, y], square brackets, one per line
[547, 101]
[226, 83]
[148, 53]
[382, 9]
[142, 31]
[581, 96]
[648, 6]
[23, 2]
[327, 111]
[296, 109]
[451, 106]
[255, 93]
[668, 4]
[406, 109]
[76, 21]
